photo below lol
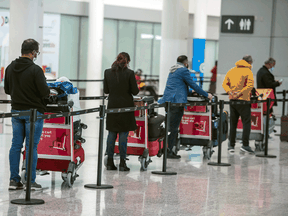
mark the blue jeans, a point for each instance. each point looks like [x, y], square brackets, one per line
[122, 143]
[21, 130]
[176, 114]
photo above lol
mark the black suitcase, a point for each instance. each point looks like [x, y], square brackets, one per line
[156, 126]
[284, 128]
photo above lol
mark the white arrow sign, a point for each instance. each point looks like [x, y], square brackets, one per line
[229, 22]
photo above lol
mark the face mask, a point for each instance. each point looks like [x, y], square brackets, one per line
[35, 58]
[271, 69]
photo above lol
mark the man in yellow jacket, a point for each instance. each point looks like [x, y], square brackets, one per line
[238, 83]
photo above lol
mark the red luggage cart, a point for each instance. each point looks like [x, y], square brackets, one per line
[258, 120]
[57, 149]
[139, 142]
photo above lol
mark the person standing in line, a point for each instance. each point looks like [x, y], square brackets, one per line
[176, 91]
[120, 84]
[26, 84]
[238, 83]
[212, 88]
[265, 78]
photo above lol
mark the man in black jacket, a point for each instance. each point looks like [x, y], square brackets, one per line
[265, 78]
[26, 84]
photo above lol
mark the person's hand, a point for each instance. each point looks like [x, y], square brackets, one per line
[210, 96]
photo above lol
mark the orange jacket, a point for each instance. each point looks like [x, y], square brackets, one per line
[239, 80]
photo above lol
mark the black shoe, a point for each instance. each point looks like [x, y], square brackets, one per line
[15, 185]
[172, 155]
[35, 187]
[231, 149]
[110, 164]
[247, 149]
[123, 166]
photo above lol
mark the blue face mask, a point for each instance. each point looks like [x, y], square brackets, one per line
[271, 69]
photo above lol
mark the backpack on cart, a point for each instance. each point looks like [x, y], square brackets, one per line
[156, 126]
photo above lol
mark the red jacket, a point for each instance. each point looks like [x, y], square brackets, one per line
[214, 74]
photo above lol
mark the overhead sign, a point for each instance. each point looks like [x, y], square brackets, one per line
[237, 24]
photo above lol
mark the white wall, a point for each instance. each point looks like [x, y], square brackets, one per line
[213, 9]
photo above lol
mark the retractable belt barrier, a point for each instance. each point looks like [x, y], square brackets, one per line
[33, 118]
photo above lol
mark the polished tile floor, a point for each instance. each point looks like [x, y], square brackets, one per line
[250, 186]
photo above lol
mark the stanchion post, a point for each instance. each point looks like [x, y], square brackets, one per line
[167, 120]
[27, 200]
[100, 154]
[284, 98]
[220, 139]
[267, 132]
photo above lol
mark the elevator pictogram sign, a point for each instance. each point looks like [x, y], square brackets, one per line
[237, 24]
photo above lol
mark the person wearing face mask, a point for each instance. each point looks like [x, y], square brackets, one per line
[176, 91]
[26, 84]
[266, 79]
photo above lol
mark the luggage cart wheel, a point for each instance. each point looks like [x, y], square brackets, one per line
[64, 176]
[23, 178]
[144, 163]
[207, 153]
[82, 140]
[84, 126]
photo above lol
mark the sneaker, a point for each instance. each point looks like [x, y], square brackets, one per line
[35, 187]
[15, 185]
[247, 149]
[231, 149]
[172, 155]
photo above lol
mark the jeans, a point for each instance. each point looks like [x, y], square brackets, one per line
[243, 110]
[122, 143]
[176, 114]
[21, 130]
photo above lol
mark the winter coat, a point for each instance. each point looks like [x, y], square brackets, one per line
[176, 90]
[120, 86]
[265, 79]
[239, 79]
[26, 83]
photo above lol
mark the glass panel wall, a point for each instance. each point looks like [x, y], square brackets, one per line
[109, 52]
[156, 49]
[69, 47]
[144, 40]
[126, 39]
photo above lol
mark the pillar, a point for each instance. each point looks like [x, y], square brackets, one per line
[95, 43]
[26, 21]
[174, 34]
[200, 19]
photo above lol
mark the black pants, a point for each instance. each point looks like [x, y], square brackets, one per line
[243, 110]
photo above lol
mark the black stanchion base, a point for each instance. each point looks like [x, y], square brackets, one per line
[30, 202]
[163, 173]
[218, 164]
[95, 186]
[267, 156]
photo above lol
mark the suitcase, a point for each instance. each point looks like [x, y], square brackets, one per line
[156, 126]
[284, 128]
[215, 125]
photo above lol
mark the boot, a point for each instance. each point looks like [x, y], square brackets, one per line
[123, 166]
[110, 164]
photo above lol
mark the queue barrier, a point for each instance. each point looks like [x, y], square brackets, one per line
[33, 117]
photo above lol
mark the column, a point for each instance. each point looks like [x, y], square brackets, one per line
[200, 19]
[174, 34]
[95, 43]
[26, 21]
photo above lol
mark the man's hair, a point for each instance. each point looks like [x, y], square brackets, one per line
[270, 61]
[182, 59]
[29, 45]
[248, 58]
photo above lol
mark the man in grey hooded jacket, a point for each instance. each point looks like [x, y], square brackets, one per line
[176, 91]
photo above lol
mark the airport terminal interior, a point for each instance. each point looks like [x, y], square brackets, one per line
[80, 39]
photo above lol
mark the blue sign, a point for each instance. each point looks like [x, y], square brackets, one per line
[198, 55]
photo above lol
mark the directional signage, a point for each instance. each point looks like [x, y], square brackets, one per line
[237, 24]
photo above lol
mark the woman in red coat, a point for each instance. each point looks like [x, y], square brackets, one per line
[120, 84]
[212, 88]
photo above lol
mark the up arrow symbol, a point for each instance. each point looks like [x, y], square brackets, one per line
[229, 22]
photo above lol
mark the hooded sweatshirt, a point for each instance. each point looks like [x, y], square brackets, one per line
[26, 83]
[239, 79]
